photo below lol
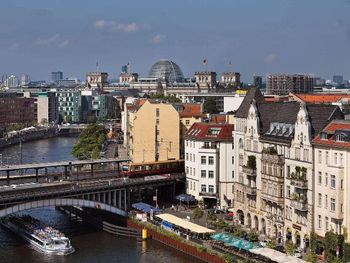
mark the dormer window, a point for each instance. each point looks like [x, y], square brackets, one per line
[323, 136]
[340, 138]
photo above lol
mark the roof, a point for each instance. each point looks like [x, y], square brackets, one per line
[253, 94]
[319, 116]
[321, 98]
[187, 110]
[185, 224]
[218, 118]
[210, 132]
[334, 128]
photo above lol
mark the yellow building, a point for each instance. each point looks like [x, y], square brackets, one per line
[153, 132]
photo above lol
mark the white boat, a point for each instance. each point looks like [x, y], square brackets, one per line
[42, 238]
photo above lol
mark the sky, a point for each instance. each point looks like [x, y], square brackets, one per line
[247, 36]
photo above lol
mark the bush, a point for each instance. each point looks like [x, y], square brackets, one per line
[253, 235]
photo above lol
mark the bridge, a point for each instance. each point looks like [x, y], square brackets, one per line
[104, 190]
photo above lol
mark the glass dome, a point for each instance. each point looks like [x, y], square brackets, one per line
[166, 70]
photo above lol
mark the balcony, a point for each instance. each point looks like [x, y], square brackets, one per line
[208, 194]
[299, 204]
[272, 158]
[272, 198]
[249, 171]
[249, 190]
[301, 184]
[275, 218]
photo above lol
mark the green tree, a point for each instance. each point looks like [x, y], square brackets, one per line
[251, 162]
[209, 105]
[290, 248]
[90, 142]
[197, 213]
[69, 118]
[330, 245]
[311, 257]
[253, 235]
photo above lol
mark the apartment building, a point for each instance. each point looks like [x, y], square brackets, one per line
[209, 163]
[273, 189]
[331, 166]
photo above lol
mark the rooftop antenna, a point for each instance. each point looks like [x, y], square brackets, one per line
[97, 67]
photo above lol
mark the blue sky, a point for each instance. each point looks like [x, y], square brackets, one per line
[257, 36]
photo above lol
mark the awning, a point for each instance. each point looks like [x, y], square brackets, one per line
[146, 208]
[177, 221]
[185, 198]
[275, 255]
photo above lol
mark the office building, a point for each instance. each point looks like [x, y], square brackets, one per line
[56, 76]
[283, 84]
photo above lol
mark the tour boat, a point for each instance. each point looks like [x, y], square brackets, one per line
[41, 237]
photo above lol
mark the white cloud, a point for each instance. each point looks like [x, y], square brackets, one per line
[114, 26]
[54, 40]
[158, 39]
[270, 58]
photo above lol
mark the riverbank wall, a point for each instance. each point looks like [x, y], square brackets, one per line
[38, 134]
[191, 250]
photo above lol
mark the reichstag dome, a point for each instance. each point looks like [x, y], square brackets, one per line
[166, 70]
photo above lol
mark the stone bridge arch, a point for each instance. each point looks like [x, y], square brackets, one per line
[61, 202]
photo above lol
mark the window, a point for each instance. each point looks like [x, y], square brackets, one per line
[157, 121]
[240, 143]
[327, 158]
[288, 191]
[211, 188]
[203, 188]
[233, 160]
[326, 202]
[335, 158]
[203, 173]
[157, 112]
[211, 174]
[297, 153]
[319, 199]
[333, 181]
[187, 169]
[194, 186]
[341, 160]
[186, 156]
[190, 185]
[186, 143]
[319, 177]
[233, 146]
[211, 160]
[203, 159]
[306, 155]
[233, 174]
[326, 179]
[194, 157]
[187, 122]
[327, 223]
[190, 170]
[319, 221]
[332, 204]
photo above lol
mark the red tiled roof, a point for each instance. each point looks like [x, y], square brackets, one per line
[218, 118]
[207, 131]
[321, 98]
[191, 110]
[331, 128]
[275, 99]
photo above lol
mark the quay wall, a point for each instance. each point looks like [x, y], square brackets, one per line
[180, 246]
[29, 136]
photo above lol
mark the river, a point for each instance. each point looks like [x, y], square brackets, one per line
[91, 245]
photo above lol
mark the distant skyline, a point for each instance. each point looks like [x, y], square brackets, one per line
[247, 36]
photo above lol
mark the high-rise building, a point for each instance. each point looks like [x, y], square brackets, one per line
[282, 84]
[47, 108]
[257, 81]
[12, 82]
[56, 76]
[338, 79]
[24, 79]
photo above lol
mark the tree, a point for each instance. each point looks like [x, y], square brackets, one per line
[90, 142]
[197, 213]
[330, 245]
[290, 248]
[311, 257]
[69, 118]
[253, 235]
[209, 105]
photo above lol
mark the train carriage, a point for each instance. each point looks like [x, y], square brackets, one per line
[152, 168]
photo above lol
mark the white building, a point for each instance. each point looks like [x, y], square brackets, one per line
[209, 163]
[332, 170]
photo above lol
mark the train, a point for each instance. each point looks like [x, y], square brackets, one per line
[152, 168]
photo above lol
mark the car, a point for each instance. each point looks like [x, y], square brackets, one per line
[215, 211]
[297, 254]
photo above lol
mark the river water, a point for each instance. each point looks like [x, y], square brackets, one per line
[91, 245]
